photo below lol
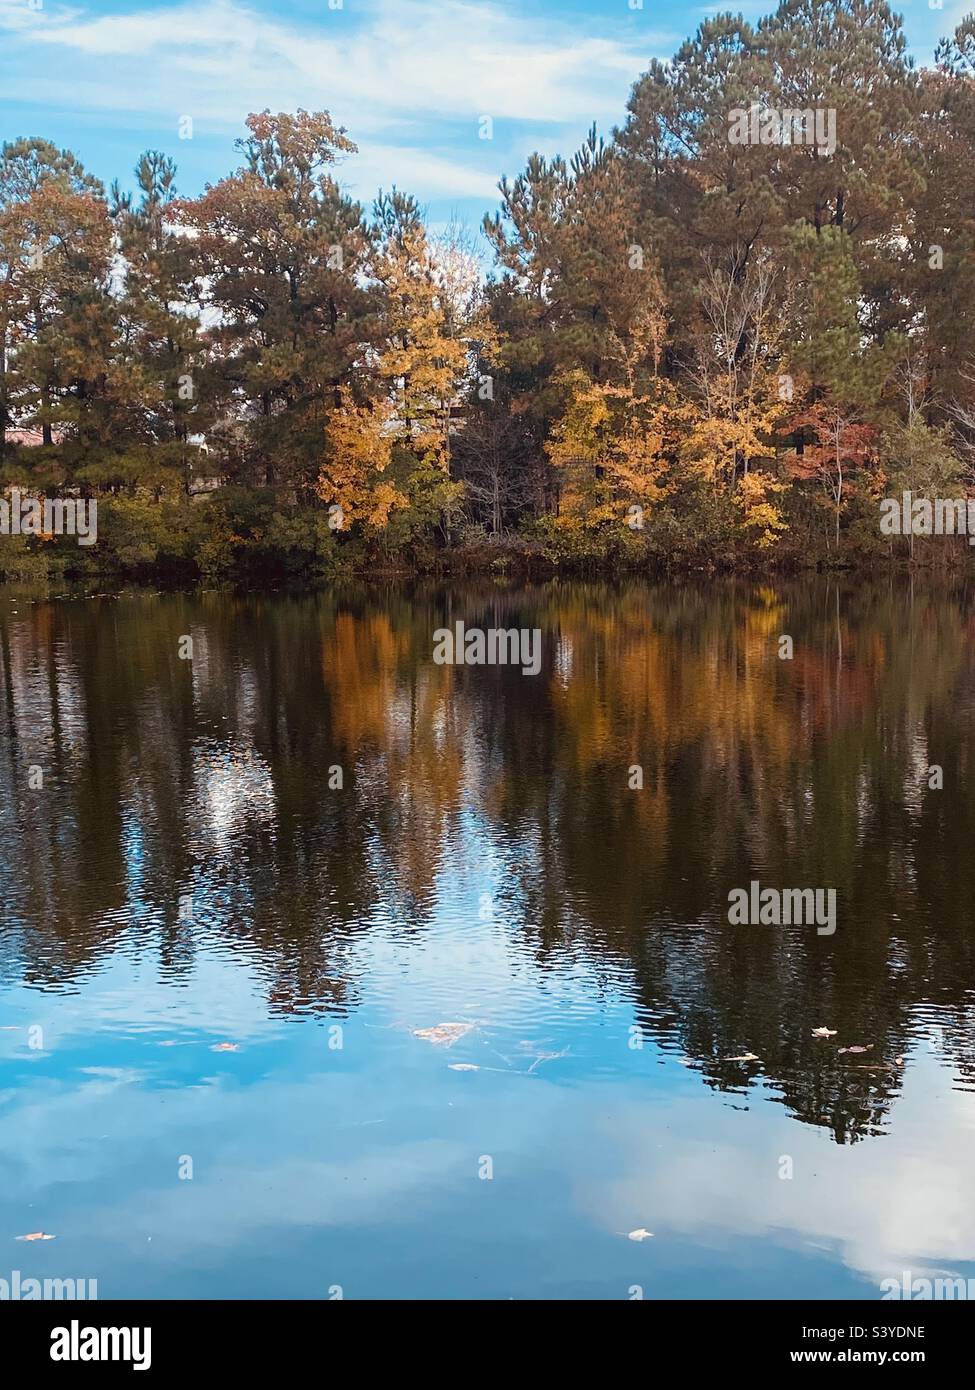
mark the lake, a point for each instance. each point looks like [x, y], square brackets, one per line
[330, 970]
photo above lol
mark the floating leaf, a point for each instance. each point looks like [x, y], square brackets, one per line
[640, 1234]
[546, 1057]
[444, 1034]
[855, 1048]
[824, 1032]
[745, 1057]
[36, 1235]
[225, 1047]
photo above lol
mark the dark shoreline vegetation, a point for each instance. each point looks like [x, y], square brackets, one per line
[689, 354]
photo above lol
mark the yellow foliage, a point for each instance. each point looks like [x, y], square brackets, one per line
[614, 446]
[360, 451]
[422, 363]
[760, 516]
[732, 429]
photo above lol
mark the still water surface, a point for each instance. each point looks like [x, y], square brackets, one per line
[210, 951]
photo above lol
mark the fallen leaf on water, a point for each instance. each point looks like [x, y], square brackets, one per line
[36, 1235]
[855, 1048]
[225, 1047]
[898, 1061]
[745, 1057]
[546, 1057]
[445, 1033]
[824, 1032]
[640, 1234]
[462, 1066]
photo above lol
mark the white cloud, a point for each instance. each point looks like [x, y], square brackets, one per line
[451, 59]
[380, 165]
[894, 1202]
[407, 81]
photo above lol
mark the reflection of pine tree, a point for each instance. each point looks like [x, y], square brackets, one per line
[801, 774]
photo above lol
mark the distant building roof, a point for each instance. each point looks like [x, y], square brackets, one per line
[30, 438]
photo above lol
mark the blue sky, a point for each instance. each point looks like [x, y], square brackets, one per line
[410, 79]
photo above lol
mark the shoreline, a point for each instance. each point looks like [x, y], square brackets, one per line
[515, 563]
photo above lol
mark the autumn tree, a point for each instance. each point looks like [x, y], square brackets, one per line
[708, 194]
[422, 356]
[842, 444]
[356, 478]
[281, 257]
[56, 313]
[938, 283]
[160, 338]
[737, 371]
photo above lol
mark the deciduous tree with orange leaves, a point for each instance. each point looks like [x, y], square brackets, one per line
[842, 445]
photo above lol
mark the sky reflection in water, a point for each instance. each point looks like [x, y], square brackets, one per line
[486, 863]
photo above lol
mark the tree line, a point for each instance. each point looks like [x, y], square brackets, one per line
[692, 346]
